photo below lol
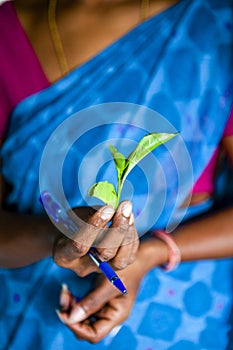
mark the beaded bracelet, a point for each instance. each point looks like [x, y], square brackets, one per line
[173, 250]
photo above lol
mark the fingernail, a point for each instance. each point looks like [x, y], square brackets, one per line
[64, 296]
[131, 220]
[59, 316]
[77, 315]
[64, 287]
[127, 210]
[107, 213]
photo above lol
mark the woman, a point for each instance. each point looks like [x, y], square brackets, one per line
[164, 64]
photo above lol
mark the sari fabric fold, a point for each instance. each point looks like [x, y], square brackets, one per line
[178, 63]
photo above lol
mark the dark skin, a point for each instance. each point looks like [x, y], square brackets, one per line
[119, 244]
[212, 237]
[39, 238]
[80, 22]
[208, 238]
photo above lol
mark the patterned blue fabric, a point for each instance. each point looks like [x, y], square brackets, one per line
[178, 63]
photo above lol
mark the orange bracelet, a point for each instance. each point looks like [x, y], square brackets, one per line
[173, 250]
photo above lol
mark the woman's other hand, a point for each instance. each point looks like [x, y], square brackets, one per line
[94, 316]
[102, 309]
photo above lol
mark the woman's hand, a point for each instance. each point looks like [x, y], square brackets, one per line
[105, 307]
[102, 309]
[117, 243]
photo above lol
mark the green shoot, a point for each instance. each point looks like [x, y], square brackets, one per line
[105, 191]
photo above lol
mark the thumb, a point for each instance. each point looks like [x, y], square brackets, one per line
[91, 303]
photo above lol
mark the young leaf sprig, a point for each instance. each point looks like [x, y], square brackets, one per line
[104, 190]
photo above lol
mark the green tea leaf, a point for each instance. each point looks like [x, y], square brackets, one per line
[104, 191]
[119, 160]
[147, 144]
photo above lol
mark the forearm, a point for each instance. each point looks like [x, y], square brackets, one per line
[25, 239]
[206, 238]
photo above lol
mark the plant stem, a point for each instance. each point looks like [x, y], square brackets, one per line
[119, 189]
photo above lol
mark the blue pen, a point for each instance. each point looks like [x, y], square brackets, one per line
[107, 270]
[60, 216]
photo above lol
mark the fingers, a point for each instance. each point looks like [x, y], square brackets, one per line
[93, 332]
[92, 303]
[65, 298]
[121, 243]
[95, 225]
[122, 215]
[67, 252]
[102, 216]
[117, 243]
[96, 315]
[109, 243]
[66, 257]
[89, 305]
[127, 252]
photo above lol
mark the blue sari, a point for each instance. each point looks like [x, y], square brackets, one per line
[179, 64]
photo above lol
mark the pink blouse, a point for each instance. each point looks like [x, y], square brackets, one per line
[205, 183]
[23, 75]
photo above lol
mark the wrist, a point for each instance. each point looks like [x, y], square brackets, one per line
[53, 235]
[47, 233]
[174, 254]
[152, 252]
